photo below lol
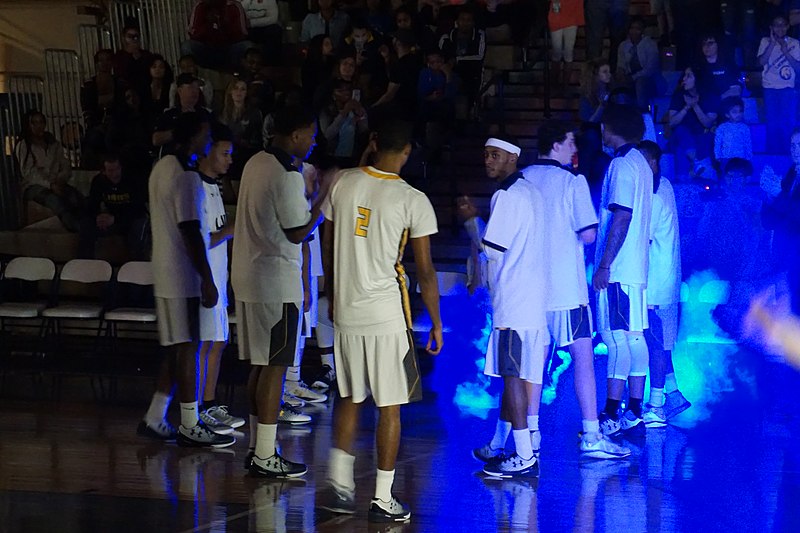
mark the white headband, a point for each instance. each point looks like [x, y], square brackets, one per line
[504, 145]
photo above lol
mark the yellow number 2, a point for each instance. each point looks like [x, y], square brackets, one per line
[362, 221]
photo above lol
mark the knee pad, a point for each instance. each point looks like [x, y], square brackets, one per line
[640, 355]
[619, 354]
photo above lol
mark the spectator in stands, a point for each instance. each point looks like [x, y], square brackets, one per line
[265, 30]
[99, 96]
[344, 125]
[365, 47]
[131, 62]
[217, 34]
[563, 20]
[436, 88]
[188, 101]
[130, 134]
[116, 206]
[378, 16]
[245, 122]
[732, 137]
[291, 97]
[404, 20]
[595, 90]
[714, 72]
[400, 98]
[155, 94]
[260, 91]
[602, 15]
[346, 69]
[187, 65]
[468, 44]
[327, 21]
[637, 63]
[779, 56]
[318, 65]
[691, 115]
[441, 14]
[45, 171]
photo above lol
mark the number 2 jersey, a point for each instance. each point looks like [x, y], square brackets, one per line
[374, 214]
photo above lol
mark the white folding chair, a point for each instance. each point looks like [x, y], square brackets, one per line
[26, 269]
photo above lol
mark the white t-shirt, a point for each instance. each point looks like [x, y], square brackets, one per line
[514, 246]
[216, 219]
[778, 73]
[266, 265]
[176, 196]
[568, 210]
[628, 185]
[664, 273]
[374, 214]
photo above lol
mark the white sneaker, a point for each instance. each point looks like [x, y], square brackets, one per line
[597, 446]
[536, 442]
[290, 415]
[391, 511]
[292, 400]
[630, 421]
[608, 426]
[215, 425]
[221, 414]
[654, 417]
[301, 390]
[200, 436]
[513, 466]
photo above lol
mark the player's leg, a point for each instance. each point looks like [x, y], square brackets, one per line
[654, 410]
[640, 357]
[155, 424]
[209, 393]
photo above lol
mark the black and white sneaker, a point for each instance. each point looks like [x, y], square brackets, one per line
[161, 431]
[201, 436]
[276, 467]
[391, 511]
[487, 454]
[609, 426]
[248, 459]
[338, 500]
[326, 378]
[513, 466]
[215, 425]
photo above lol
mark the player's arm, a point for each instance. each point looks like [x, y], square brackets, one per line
[306, 274]
[299, 234]
[588, 235]
[222, 236]
[327, 262]
[196, 247]
[429, 287]
[620, 222]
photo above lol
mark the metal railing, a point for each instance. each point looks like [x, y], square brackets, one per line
[91, 38]
[162, 24]
[62, 100]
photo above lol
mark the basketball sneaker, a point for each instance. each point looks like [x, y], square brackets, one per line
[201, 436]
[675, 404]
[276, 467]
[215, 425]
[301, 390]
[654, 417]
[161, 431]
[337, 500]
[290, 415]
[487, 454]
[292, 400]
[513, 466]
[608, 426]
[248, 459]
[597, 446]
[221, 414]
[326, 379]
[391, 511]
[536, 442]
[630, 421]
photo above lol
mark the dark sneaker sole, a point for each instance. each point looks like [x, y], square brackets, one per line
[294, 423]
[381, 518]
[531, 471]
[143, 430]
[189, 443]
[603, 455]
[257, 471]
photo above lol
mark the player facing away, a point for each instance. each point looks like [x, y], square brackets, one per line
[620, 276]
[370, 216]
[663, 296]
[183, 281]
[571, 224]
[514, 246]
[273, 221]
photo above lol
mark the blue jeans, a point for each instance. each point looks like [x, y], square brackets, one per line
[780, 107]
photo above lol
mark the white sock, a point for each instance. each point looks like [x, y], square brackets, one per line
[590, 426]
[522, 440]
[265, 440]
[383, 485]
[253, 430]
[159, 406]
[656, 397]
[340, 469]
[189, 416]
[293, 373]
[501, 433]
[533, 422]
[327, 359]
[671, 385]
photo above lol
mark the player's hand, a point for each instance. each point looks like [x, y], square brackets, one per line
[465, 208]
[601, 279]
[435, 341]
[208, 293]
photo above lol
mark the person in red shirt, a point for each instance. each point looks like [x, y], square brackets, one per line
[217, 34]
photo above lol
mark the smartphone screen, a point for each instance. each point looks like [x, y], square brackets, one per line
[357, 95]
